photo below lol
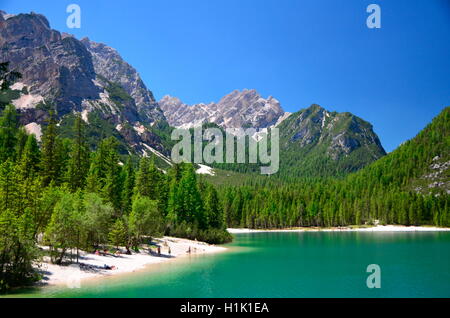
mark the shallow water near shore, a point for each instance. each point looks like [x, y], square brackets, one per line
[302, 264]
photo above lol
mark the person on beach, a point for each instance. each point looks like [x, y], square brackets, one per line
[159, 250]
[170, 252]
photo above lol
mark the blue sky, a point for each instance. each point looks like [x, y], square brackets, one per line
[300, 52]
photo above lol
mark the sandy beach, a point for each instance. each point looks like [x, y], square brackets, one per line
[92, 265]
[378, 228]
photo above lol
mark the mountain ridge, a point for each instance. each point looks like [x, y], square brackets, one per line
[235, 110]
[68, 75]
[64, 74]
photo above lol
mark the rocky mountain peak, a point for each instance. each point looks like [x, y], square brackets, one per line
[245, 108]
[336, 135]
[62, 73]
[167, 99]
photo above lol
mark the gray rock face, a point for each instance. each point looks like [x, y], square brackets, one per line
[238, 109]
[56, 68]
[438, 176]
[109, 64]
[76, 76]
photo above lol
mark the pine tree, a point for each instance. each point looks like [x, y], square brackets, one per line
[79, 157]
[213, 209]
[128, 186]
[163, 194]
[8, 186]
[189, 199]
[22, 138]
[173, 206]
[8, 133]
[119, 234]
[30, 159]
[148, 179]
[97, 170]
[112, 189]
[51, 161]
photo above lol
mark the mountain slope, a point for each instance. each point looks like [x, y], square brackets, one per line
[109, 64]
[316, 142]
[66, 75]
[420, 164]
[409, 186]
[313, 142]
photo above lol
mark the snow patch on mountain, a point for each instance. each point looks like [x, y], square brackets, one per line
[84, 116]
[205, 170]
[156, 152]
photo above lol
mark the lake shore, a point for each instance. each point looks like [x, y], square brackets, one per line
[93, 265]
[378, 228]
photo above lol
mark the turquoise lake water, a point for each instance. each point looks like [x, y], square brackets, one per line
[308, 264]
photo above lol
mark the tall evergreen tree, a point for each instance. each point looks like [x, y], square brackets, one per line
[8, 133]
[172, 201]
[213, 209]
[22, 138]
[148, 179]
[30, 159]
[51, 161]
[128, 186]
[190, 205]
[112, 189]
[8, 186]
[79, 157]
[98, 167]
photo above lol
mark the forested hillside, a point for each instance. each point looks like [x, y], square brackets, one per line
[387, 190]
[316, 143]
[60, 194]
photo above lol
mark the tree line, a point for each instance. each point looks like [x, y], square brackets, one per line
[329, 203]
